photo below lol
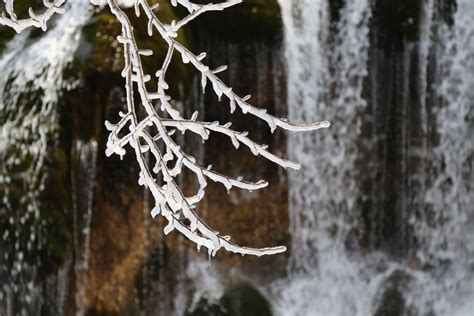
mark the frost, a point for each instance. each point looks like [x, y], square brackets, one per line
[133, 132]
[9, 18]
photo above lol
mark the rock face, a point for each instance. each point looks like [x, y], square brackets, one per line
[125, 245]
[238, 300]
[392, 302]
[126, 254]
[258, 218]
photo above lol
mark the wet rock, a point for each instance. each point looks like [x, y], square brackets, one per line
[392, 302]
[240, 300]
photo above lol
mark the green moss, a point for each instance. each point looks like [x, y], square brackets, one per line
[52, 229]
[45, 234]
[105, 55]
[57, 227]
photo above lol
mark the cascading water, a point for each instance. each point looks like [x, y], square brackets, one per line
[306, 26]
[31, 81]
[83, 185]
[323, 278]
[448, 229]
[331, 272]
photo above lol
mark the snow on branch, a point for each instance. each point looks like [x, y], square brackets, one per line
[9, 17]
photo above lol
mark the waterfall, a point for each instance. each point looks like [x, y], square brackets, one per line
[83, 184]
[306, 24]
[448, 232]
[325, 77]
[30, 85]
[331, 272]
[381, 215]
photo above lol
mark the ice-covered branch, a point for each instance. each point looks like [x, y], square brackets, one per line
[197, 9]
[9, 17]
[154, 130]
[170, 202]
[151, 120]
[207, 74]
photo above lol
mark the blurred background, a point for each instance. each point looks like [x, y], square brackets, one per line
[380, 220]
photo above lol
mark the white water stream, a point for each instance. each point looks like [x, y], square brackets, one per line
[30, 85]
[326, 70]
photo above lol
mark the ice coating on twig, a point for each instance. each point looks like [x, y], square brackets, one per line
[9, 17]
[170, 202]
[163, 119]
